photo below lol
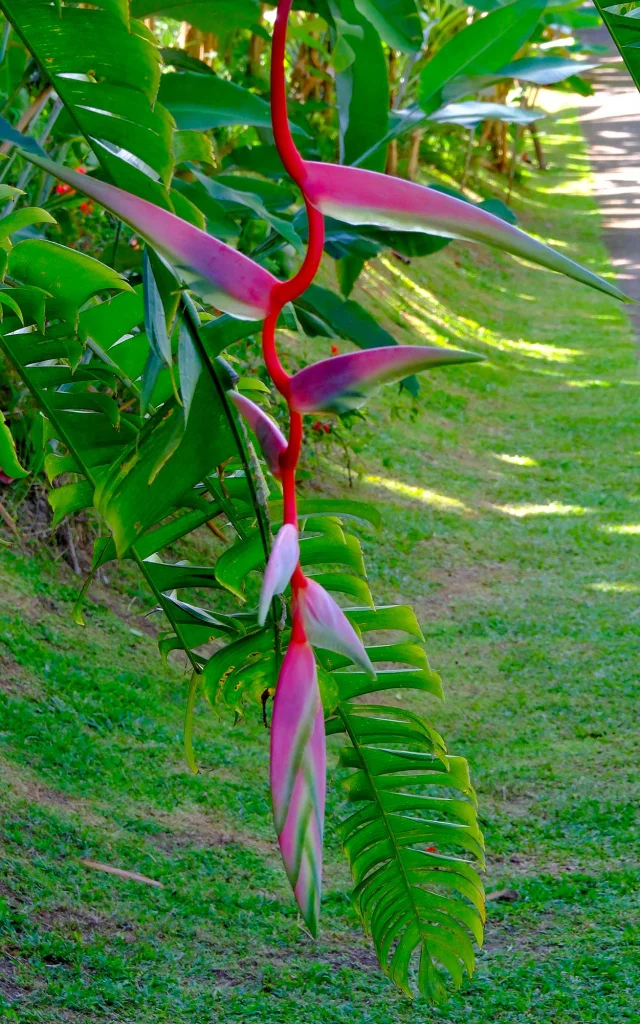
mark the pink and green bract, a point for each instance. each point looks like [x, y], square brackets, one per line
[342, 383]
[326, 625]
[272, 441]
[217, 273]
[365, 197]
[298, 769]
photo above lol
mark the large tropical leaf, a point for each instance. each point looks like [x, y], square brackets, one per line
[362, 90]
[207, 15]
[204, 101]
[480, 48]
[106, 69]
[397, 21]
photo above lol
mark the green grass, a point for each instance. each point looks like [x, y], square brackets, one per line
[512, 521]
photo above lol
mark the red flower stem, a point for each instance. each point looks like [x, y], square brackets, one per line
[287, 291]
[285, 145]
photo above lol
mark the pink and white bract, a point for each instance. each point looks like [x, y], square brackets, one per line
[283, 560]
[365, 197]
[217, 273]
[342, 383]
[328, 627]
[298, 776]
[272, 441]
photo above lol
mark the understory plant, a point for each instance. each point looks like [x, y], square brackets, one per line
[145, 422]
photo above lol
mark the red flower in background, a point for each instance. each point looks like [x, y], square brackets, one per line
[335, 351]
[63, 190]
[321, 428]
[87, 207]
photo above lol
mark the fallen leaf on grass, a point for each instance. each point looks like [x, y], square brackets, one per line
[132, 876]
[504, 896]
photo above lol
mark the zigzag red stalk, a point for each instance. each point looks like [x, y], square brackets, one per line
[289, 290]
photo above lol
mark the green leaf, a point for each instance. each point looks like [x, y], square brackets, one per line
[544, 70]
[247, 555]
[190, 145]
[348, 270]
[534, 70]
[201, 102]
[189, 367]
[345, 583]
[624, 28]
[344, 508]
[472, 112]
[155, 320]
[69, 499]
[229, 670]
[7, 299]
[218, 17]
[8, 457]
[479, 49]
[218, 334]
[396, 21]
[70, 277]
[249, 200]
[23, 218]
[398, 617]
[362, 92]
[177, 577]
[9, 191]
[169, 457]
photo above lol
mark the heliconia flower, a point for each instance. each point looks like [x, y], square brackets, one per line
[272, 441]
[341, 383]
[328, 627]
[365, 197]
[4, 479]
[284, 557]
[298, 776]
[220, 275]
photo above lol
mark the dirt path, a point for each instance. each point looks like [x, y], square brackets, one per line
[611, 122]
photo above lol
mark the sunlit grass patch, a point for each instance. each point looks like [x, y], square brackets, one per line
[628, 529]
[615, 588]
[551, 508]
[515, 460]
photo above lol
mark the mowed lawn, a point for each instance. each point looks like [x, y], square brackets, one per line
[512, 520]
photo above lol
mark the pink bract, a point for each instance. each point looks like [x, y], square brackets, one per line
[217, 273]
[283, 560]
[298, 776]
[328, 627]
[272, 441]
[366, 197]
[342, 383]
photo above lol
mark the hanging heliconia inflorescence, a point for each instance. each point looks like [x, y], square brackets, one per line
[235, 284]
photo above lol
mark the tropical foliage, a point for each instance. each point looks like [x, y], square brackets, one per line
[140, 418]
